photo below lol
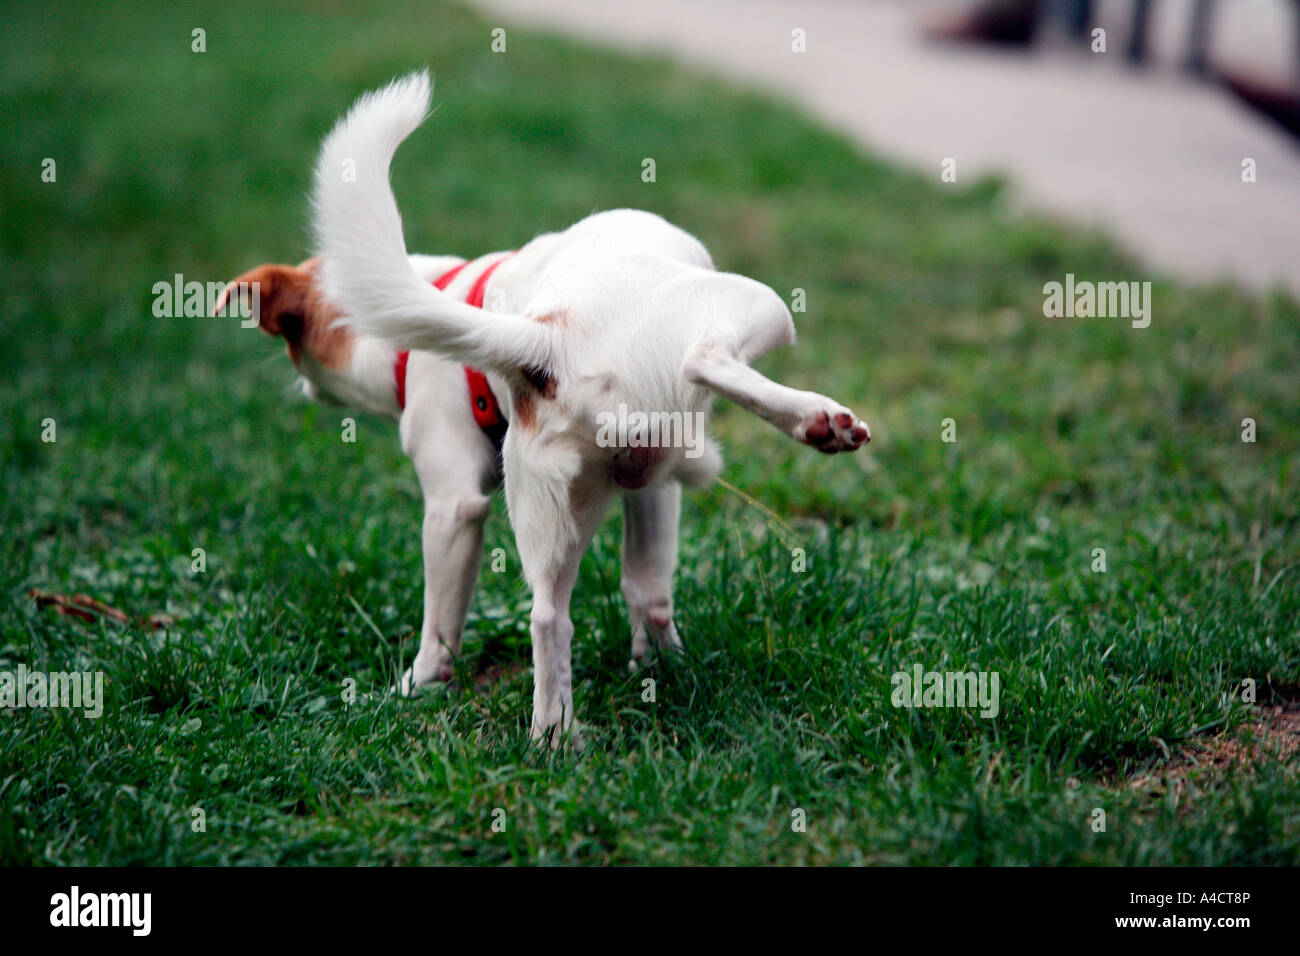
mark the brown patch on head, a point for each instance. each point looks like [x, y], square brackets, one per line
[290, 305]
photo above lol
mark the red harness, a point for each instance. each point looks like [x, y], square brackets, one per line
[487, 413]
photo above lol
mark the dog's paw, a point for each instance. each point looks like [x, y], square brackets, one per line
[417, 678]
[657, 630]
[831, 428]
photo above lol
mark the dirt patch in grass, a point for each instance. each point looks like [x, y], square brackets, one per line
[494, 673]
[1273, 734]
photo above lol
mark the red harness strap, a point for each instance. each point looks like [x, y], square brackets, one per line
[487, 412]
[399, 378]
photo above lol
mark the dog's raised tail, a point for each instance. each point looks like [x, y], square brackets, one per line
[358, 233]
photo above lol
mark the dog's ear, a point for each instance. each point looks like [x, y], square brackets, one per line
[278, 294]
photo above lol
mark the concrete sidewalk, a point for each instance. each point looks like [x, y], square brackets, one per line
[1149, 155]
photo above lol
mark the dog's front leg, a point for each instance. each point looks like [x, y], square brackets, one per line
[453, 546]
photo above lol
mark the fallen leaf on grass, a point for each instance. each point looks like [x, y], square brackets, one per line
[86, 608]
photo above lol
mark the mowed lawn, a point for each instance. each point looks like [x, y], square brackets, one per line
[1119, 689]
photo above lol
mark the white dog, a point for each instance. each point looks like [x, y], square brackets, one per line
[620, 311]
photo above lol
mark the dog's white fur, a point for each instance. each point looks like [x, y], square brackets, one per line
[620, 308]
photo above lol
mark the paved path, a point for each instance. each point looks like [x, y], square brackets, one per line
[1154, 158]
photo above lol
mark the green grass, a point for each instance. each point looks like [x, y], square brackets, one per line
[924, 303]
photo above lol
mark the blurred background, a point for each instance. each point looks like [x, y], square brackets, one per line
[1143, 128]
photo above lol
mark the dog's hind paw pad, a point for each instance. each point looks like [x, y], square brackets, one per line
[832, 430]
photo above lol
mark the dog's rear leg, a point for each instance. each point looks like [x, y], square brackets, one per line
[553, 523]
[805, 416]
[650, 519]
[452, 536]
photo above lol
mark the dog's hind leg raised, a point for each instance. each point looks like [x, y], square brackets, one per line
[744, 321]
[805, 416]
